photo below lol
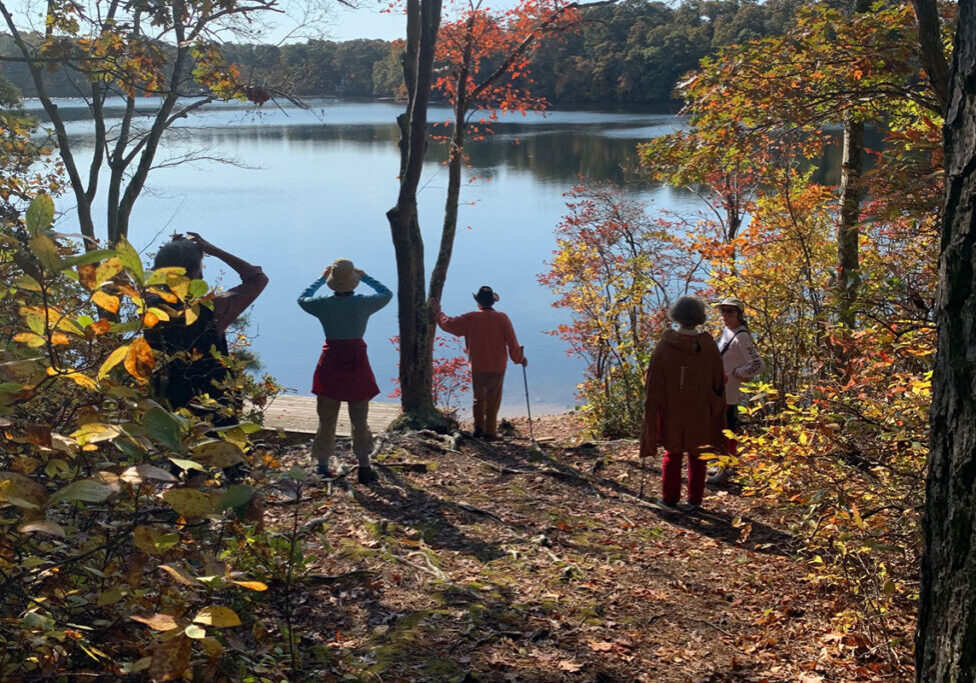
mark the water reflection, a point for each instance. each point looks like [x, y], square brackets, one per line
[312, 185]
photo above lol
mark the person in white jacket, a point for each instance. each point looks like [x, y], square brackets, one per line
[741, 362]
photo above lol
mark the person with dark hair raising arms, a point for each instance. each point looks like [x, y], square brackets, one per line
[191, 368]
[343, 372]
[488, 338]
[684, 403]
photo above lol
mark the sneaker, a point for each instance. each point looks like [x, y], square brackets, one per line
[366, 475]
[322, 469]
[690, 507]
[663, 503]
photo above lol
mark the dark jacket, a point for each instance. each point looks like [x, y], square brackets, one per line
[684, 404]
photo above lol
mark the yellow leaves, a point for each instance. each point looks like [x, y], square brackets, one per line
[251, 585]
[137, 358]
[113, 359]
[106, 270]
[31, 339]
[195, 632]
[106, 301]
[95, 432]
[78, 378]
[217, 616]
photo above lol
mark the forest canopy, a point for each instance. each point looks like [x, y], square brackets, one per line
[632, 52]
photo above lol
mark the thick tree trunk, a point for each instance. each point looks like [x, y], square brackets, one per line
[946, 636]
[416, 325]
[848, 224]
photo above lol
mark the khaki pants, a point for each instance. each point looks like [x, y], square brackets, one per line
[323, 446]
[487, 389]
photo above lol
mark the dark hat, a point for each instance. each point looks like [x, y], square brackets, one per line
[485, 296]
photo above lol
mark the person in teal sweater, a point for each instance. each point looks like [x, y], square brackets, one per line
[343, 372]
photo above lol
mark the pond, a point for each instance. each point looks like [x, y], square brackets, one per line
[292, 189]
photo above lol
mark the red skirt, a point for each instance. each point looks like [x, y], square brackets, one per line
[343, 372]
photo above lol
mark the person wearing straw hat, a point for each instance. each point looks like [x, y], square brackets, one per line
[741, 362]
[488, 339]
[343, 372]
[684, 401]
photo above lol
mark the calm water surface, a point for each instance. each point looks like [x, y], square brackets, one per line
[308, 186]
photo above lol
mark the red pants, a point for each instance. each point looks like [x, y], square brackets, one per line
[671, 478]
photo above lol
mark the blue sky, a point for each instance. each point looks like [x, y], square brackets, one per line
[367, 22]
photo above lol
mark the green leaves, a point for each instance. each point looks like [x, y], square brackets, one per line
[190, 503]
[46, 252]
[163, 427]
[82, 490]
[130, 259]
[40, 214]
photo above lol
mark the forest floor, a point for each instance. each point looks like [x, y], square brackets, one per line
[507, 561]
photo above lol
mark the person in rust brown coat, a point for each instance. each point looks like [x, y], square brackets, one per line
[684, 405]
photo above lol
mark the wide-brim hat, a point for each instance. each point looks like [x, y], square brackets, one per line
[485, 296]
[731, 302]
[343, 276]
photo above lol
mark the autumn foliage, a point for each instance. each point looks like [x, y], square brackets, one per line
[117, 511]
[837, 429]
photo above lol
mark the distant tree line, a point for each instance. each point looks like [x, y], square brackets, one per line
[633, 52]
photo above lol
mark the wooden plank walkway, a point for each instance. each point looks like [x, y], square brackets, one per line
[296, 414]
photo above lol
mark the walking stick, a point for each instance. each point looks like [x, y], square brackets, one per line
[528, 408]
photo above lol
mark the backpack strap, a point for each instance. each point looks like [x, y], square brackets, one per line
[727, 344]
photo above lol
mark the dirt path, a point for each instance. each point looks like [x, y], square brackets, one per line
[510, 562]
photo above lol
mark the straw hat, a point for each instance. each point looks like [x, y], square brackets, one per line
[343, 276]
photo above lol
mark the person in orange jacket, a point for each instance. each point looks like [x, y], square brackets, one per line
[684, 406]
[488, 338]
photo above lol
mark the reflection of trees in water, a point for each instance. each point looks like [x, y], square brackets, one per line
[558, 154]
[561, 156]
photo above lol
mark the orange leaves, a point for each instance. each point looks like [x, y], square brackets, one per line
[139, 360]
[136, 357]
[489, 52]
